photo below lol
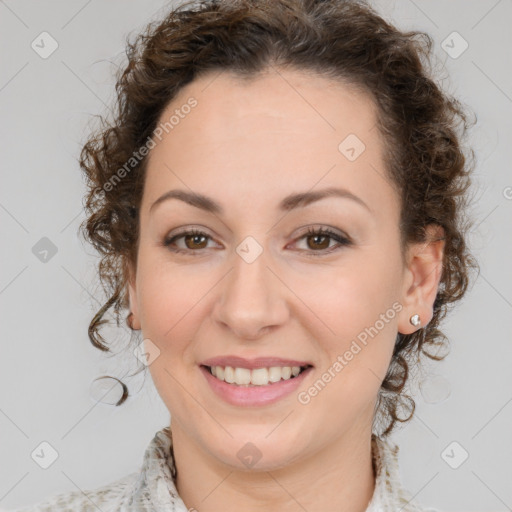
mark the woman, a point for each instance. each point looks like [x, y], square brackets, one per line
[279, 206]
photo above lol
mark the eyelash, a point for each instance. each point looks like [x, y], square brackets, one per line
[342, 241]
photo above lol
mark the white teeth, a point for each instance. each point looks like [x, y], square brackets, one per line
[256, 377]
[274, 374]
[229, 374]
[259, 377]
[242, 376]
[286, 372]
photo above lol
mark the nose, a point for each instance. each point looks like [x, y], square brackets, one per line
[252, 299]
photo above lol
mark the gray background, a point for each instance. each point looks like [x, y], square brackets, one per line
[47, 363]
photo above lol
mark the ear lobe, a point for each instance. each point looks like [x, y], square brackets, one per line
[424, 271]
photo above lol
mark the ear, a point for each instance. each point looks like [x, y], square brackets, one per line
[421, 280]
[132, 294]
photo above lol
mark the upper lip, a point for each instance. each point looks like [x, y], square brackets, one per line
[259, 362]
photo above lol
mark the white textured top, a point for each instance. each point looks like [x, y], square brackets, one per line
[153, 488]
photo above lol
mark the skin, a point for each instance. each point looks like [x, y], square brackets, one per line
[247, 145]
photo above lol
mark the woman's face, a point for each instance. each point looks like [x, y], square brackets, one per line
[251, 282]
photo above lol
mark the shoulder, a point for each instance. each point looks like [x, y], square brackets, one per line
[105, 498]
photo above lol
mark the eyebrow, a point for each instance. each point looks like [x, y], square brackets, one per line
[291, 202]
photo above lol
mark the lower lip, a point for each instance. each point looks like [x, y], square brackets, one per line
[254, 395]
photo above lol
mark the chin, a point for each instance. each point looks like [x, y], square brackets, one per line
[259, 452]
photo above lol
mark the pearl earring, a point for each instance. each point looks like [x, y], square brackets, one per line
[415, 320]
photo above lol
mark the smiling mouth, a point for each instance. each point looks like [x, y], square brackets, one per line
[256, 376]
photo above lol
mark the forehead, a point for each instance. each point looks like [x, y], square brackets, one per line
[282, 130]
[293, 101]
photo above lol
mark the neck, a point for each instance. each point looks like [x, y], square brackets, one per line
[339, 477]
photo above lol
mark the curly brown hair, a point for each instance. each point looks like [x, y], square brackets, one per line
[422, 127]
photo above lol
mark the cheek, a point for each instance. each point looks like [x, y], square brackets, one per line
[171, 311]
[358, 309]
[352, 297]
[169, 301]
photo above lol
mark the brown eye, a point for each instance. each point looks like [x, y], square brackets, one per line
[319, 242]
[190, 242]
[195, 241]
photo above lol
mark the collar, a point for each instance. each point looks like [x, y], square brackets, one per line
[155, 489]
